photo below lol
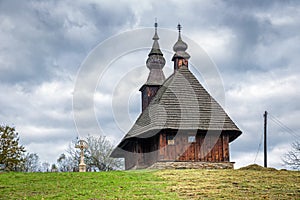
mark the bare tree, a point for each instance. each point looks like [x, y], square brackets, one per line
[98, 152]
[45, 167]
[292, 157]
[32, 163]
[96, 156]
[73, 156]
[65, 163]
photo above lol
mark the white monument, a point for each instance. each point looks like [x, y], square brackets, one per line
[82, 145]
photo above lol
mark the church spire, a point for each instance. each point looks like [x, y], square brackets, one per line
[155, 47]
[180, 57]
[155, 64]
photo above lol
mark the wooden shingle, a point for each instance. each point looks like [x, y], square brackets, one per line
[182, 103]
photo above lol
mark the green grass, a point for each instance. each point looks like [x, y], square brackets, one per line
[164, 184]
[102, 185]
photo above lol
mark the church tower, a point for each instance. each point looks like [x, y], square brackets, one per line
[180, 57]
[155, 64]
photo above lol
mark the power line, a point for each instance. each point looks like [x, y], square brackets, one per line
[286, 130]
[275, 118]
[259, 146]
[283, 126]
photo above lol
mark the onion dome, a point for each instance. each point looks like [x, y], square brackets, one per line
[180, 47]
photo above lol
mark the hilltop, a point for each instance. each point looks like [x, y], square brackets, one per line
[247, 183]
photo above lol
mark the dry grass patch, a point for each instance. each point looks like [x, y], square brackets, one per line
[233, 184]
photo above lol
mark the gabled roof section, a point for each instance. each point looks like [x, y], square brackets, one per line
[182, 103]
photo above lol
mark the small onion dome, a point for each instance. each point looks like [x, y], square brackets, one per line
[180, 47]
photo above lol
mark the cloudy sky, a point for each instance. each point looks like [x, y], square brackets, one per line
[46, 47]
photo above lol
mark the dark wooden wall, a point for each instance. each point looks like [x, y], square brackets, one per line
[148, 92]
[143, 152]
[212, 148]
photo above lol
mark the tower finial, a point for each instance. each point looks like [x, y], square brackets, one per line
[179, 27]
[155, 47]
[179, 31]
[155, 37]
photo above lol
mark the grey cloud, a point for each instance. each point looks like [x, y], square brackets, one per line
[44, 42]
[43, 33]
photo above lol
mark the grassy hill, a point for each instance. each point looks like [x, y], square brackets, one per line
[165, 184]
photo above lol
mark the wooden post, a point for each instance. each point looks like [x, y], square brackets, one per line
[265, 139]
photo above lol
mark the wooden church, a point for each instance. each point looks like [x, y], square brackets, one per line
[181, 124]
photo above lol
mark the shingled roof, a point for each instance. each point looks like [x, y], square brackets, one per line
[182, 103]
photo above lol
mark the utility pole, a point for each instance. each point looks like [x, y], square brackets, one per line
[265, 139]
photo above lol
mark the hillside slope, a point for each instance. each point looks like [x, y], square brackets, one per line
[233, 184]
[165, 184]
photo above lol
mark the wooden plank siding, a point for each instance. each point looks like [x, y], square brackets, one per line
[225, 138]
[142, 153]
[208, 149]
[148, 92]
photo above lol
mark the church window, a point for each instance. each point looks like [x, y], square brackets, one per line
[192, 139]
[170, 139]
